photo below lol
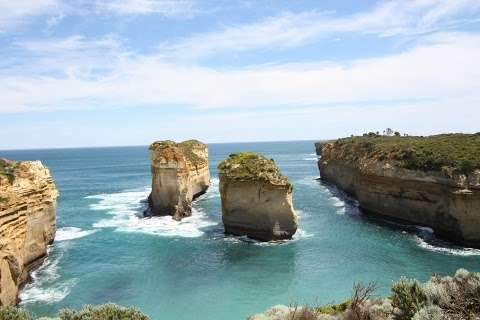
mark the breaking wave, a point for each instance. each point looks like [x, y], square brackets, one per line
[44, 287]
[426, 239]
[70, 233]
[126, 215]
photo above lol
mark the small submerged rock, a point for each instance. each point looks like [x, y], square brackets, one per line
[256, 198]
[179, 174]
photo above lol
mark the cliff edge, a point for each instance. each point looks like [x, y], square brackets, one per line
[431, 181]
[27, 222]
[180, 173]
[256, 198]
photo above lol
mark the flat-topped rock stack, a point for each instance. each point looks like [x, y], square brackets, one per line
[27, 222]
[179, 174]
[256, 198]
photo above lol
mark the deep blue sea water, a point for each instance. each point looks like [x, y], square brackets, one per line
[190, 270]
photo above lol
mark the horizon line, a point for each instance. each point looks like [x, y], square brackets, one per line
[144, 145]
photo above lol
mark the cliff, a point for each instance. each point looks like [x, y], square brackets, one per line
[430, 181]
[256, 198]
[27, 222]
[179, 174]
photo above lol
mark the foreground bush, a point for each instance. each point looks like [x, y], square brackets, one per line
[12, 313]
[107, 311]
[441, 298]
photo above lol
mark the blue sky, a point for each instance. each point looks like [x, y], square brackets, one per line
[126, 72]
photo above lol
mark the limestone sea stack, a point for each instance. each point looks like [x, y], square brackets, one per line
[256, 198]
[179, 174]
[429, 181]
[27, 222]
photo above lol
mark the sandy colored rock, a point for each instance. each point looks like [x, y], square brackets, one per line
[27, 222]
[447, 201]
[180, 173]
[256, 198]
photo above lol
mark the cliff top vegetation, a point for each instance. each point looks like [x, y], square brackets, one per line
[186, 148]
[7, 169]
[251, 166]
[460, 152]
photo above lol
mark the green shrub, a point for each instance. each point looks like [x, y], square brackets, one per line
[333, 308]
[14, 313]
[408, 297]
[109, 311]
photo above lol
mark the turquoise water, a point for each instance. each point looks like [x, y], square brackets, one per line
[190, 269]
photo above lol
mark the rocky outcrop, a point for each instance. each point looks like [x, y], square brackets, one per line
[27, 222]
[446, 200]
[179, 174]
[256, 198]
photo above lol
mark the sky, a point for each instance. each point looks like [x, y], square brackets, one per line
[77, 73]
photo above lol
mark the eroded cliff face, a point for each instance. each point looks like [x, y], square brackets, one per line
[27, 222]
[256, 198]
[446, 201]
[179, 174]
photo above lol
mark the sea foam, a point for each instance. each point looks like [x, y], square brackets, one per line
[45, 287]
[126, 215]
[426, 239]
[70, 233]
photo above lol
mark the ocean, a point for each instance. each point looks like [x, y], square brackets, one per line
[106, 252]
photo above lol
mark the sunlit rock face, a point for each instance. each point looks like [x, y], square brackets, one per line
[179, 174]
[256, 198]
[27, 222]
[446, 201]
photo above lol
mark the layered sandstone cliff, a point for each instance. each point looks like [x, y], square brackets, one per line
[433, 181]
[179, 174]
[256, 198]
[27, 222]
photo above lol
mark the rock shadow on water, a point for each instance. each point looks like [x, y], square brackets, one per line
[424, 237]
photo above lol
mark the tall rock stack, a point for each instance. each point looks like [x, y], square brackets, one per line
[256, 198]
[27, 222]
[179, 174]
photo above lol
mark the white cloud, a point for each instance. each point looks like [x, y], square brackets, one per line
[72, 43]
[14, 13]
[140, 7]
[443, 68]
[397, 17]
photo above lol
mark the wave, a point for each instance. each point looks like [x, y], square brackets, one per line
[310, 181]
[299, 235]
[126, 211]
[44, 287]
[425, 239]
[451, 250]
[70, 233]
[212, 191]
[310, 159]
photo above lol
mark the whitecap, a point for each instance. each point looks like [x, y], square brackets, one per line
[213, 191]
[300, 234]
[44, 287]
[310, 159]
[451, 250]
[337, 202]
[126, 211]
[48, 295]
[70, 233]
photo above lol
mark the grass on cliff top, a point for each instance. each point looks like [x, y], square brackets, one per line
[7, 169]
[185, 147]
[251, 166]
[460, 152]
